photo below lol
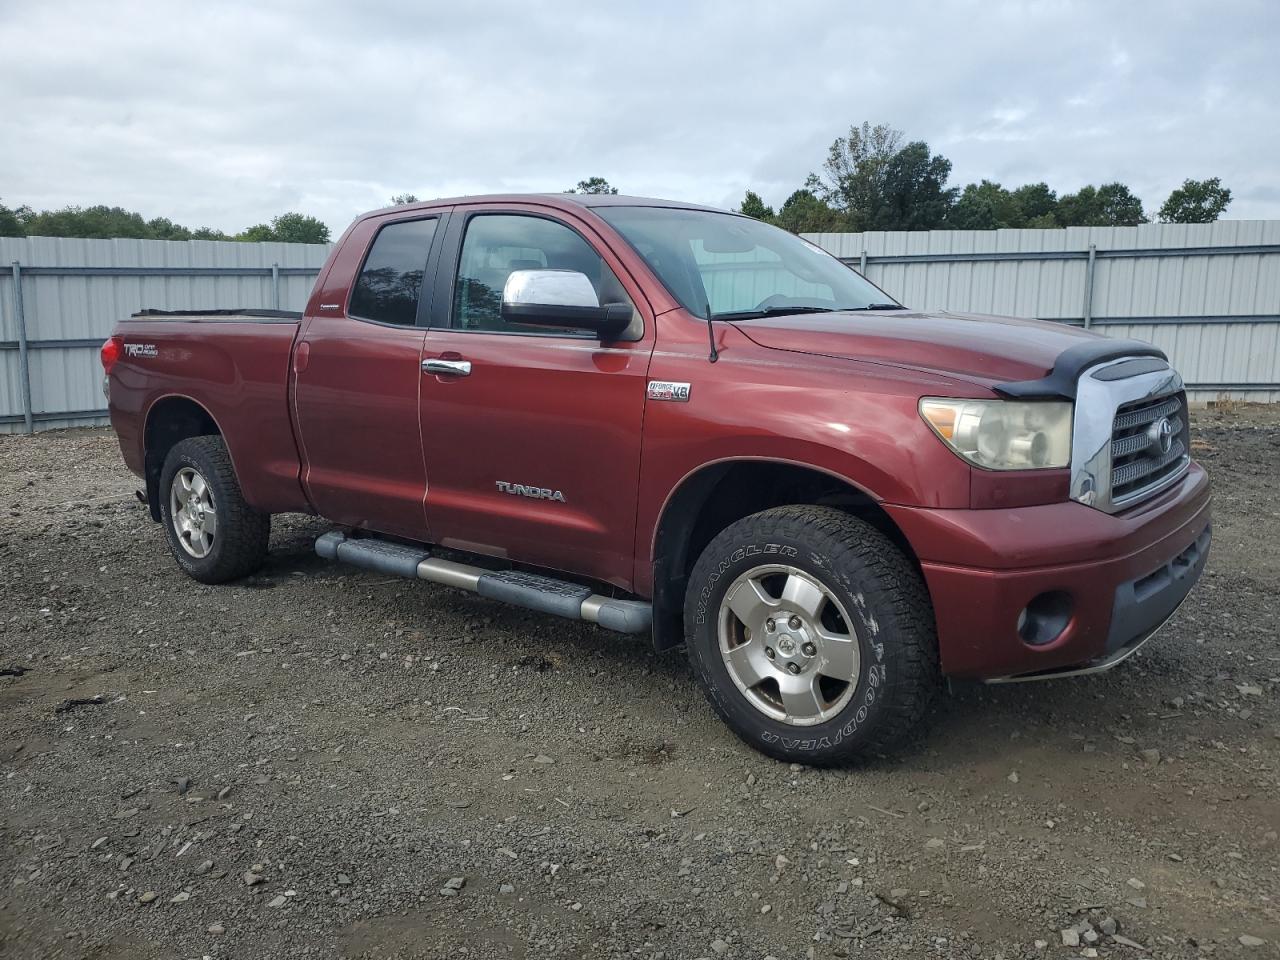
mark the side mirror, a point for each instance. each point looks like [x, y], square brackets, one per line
[561, 298]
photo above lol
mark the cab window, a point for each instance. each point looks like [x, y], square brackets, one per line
[390, 282]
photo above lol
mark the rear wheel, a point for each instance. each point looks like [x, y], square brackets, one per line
[811, 634]
[213, 534]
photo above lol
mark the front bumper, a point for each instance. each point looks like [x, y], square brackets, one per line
[1124, 574]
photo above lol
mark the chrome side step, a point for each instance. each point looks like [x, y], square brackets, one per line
[529, 590]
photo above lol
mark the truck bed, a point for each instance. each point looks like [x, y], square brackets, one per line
[234, 363]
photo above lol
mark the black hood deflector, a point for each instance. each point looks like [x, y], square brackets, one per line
[1060, 384]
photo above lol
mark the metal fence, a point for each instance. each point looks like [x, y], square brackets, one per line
[60, 298]
[1208, 294]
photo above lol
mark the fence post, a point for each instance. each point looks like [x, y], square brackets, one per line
[24, 364]
[862, 263]
[275, 286]
[1088, 286]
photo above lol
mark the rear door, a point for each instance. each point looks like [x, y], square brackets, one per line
[534, 452]
[357, 379]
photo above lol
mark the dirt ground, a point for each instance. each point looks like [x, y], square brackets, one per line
[324, 762]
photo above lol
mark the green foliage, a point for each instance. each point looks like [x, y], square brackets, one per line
[13, 222]
[1196, 201]
[984, 206]
[103, 222]
[299, 228]
[855, 174]
[874, 183]
[989, 206]
[871, 180]
[106, 222]
[93, 222]
[1038, 204]
[162, 228]
[258, 233]
[286, 228]
[1110, 205]
[805, 212]
[915, 192]
[753, 206]
[594, 185]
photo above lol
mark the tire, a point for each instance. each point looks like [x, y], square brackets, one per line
[850, 663]
[198, 471]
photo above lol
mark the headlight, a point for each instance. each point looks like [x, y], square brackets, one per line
[1002, 434]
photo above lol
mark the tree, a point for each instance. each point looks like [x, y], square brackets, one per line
[1196, 201]
[93, 222]
[915, 192]
[258, 233]
[594, 185]
[804, 212]
[1110, 205]
[876, 184]
[855, 171]
[162, 228]
[400, 199]
[300, 228]
[287, 228]
[989, 206]
[753, 206]
[12, 222]
[103, 222]
[1037, 204]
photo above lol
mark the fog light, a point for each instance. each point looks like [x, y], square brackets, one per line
[1044, 618]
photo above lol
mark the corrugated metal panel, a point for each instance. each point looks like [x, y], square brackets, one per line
[78, 305]
[1217, 316]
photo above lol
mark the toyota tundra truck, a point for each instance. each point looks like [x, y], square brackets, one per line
[670, 420]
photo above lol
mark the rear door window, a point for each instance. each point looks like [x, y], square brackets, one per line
[390, 282]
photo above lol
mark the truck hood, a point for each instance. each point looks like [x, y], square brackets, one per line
[981, 348]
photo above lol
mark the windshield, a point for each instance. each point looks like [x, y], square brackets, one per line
[739, 268]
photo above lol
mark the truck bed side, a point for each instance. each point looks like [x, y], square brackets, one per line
[229, 366]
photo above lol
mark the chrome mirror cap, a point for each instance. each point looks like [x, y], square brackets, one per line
[549, 288]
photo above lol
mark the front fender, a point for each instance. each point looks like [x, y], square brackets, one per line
[856, 422]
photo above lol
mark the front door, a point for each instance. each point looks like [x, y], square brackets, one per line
[357, 384]
[532, 435]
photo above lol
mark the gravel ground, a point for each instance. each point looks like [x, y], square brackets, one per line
[323, 762]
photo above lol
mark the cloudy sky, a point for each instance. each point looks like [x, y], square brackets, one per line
[225, 114]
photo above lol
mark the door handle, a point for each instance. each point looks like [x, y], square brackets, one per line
[447, 368]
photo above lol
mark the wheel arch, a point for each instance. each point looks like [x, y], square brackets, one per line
[170, 419]
[715, 495]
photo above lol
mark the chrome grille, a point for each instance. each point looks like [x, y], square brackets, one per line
[1138, 464]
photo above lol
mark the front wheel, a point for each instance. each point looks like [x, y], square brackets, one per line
[811, 634]
[213, 534]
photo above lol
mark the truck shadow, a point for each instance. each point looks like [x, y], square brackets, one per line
[969, 723]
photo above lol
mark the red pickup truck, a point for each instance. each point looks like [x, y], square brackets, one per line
[668, 419]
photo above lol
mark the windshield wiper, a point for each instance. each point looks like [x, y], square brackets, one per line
[769, 312]
[880, 306]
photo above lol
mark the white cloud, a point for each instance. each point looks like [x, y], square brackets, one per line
[232, 112]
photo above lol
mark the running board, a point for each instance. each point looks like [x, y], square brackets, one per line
[529, 590]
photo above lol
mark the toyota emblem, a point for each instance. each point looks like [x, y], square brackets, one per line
[1160, 435]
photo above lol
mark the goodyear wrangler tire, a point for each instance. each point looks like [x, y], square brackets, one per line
[812, 635]
[213, 534]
